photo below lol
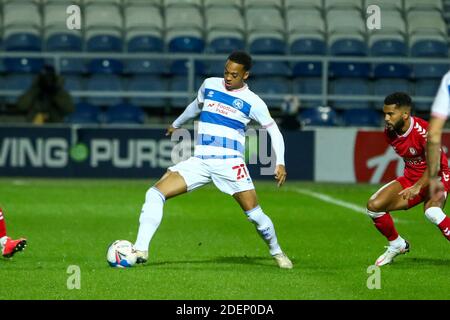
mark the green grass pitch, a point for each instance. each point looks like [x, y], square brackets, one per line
[206, 249]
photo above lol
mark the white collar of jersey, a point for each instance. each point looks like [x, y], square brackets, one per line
[235, 90]
[411, 125]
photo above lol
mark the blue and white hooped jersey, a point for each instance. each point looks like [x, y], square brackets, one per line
[224, 118]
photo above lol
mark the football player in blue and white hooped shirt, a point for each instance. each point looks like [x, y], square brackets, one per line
[225, 105]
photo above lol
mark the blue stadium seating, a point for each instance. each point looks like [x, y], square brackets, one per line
[215, 68]
[225, 45]
[308, 86]
[270, 68]
[23, 42]
[430, 71]
[392, 70]
[124, 114]
[64, 42]
[74, 83]
[425, 88]
[108, 66]
[362, 117]
[306, 46]
[145, 66]
[19, 82]
[271, 85]
[429, 48]
[307, 69]
[349, 70]
[344, 86]
[265, 45]
[180, 83]
[72, 66]
[104, 43]
[390, 47]
[348, 47]
[107, 83]
[145, 44]
[23, 65]
[319, 116]
[180, 67]
[84, 114]
[384, 87]
[187, 44]
[148, 84]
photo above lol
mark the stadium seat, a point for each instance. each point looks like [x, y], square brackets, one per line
[224, 42]
[349, 70]
[343, 4]
[21, 14]
[144, 26]
[107, 66]
[308, 86]
[184, 3]
[302, 4]
[145, 66]
[180, 84]
[157, 3]
[215, 68]
[350, 87]
[426, 22]
[184, 28]
[263, 3]
[74, 83]
[23, 65]
[22, 39]
[319, 116]
[306, 30]
[221, 3]
[181, 67]
[384, 87]
[388, 45]
[362, 118]
[392, 70]
[271, 85]
[103, 25]
[429, 46]
[103, 2]
[84, 114]
[124, 114]
[425, 88]
[424, 5]
[17, 82]
[430, 71]
[224, 19]
[386, 5]
[57, 36]
[72, 66]
[270, 68]
[307, 69]
[148, 84]
[265, 29]
[107, 83]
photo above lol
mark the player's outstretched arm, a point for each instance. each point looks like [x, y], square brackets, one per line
[191, 111]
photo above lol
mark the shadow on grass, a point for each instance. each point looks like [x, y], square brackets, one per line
[244, 260]
[428, 261]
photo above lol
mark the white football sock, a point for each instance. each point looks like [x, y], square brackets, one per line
[265, 228]
[435, 215]
[3, 241]
[151, 216]
[397, 243]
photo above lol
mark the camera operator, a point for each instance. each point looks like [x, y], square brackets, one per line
[46, 101]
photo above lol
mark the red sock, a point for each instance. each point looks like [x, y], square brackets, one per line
[2, 225]
[385, 225]
[445, 227]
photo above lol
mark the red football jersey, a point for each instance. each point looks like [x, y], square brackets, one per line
[411, 146]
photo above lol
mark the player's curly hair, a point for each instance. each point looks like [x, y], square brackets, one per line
[243, 58]
[400, 99]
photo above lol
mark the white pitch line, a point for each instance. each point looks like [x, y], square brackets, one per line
[341, 203]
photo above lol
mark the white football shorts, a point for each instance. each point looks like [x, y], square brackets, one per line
[228, 175]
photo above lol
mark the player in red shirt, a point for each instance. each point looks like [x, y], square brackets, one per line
[408, 136]
[9, 246]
